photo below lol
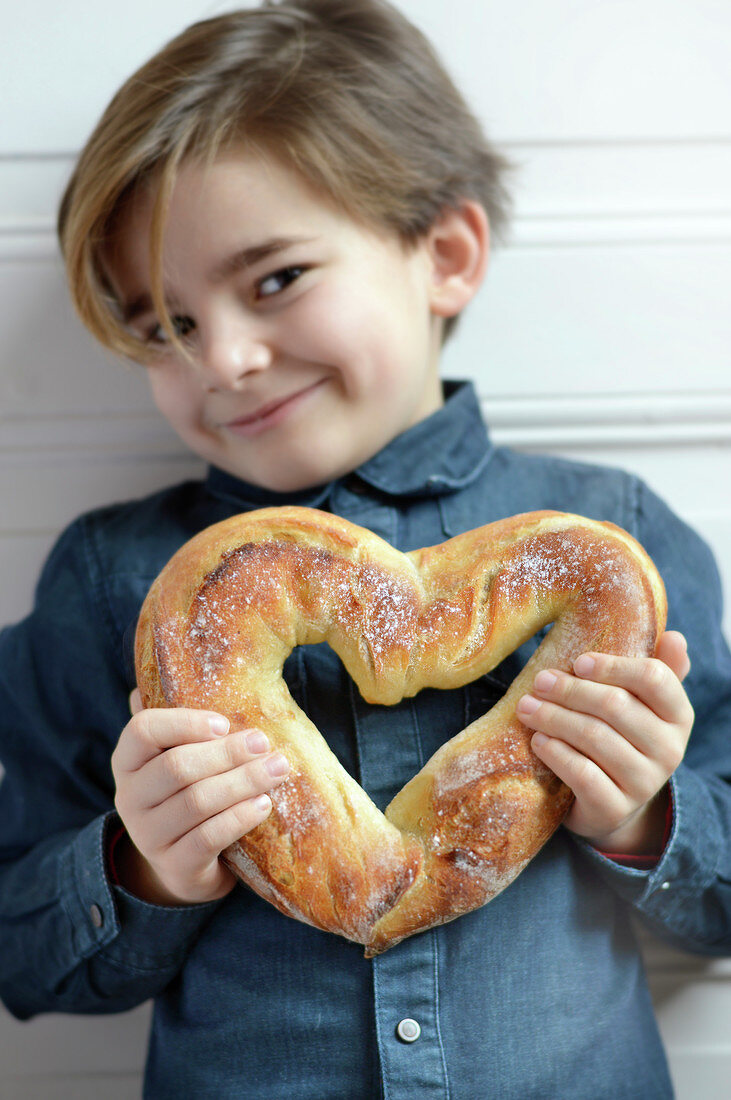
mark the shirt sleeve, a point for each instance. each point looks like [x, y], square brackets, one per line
[686, 896]
[71, 940]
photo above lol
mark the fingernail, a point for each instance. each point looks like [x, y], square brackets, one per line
[584, 665]
[256, 741]
[263, 803]
[218, 725]
[277, 765]
[544, 681]
[528, 705]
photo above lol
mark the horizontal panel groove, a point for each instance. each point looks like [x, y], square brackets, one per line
[611, 420]
[558, 231]
[671, 406]
[607, 436]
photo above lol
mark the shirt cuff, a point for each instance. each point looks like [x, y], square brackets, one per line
[679, 894]
[646, 862]
[105, 916]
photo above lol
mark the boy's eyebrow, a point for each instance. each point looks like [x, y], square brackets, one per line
[139, 305]
[247, 257]
[241, 259]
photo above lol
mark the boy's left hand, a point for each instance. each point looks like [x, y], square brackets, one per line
[614, 732]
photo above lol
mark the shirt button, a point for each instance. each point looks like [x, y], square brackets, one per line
[97, 917]
[408, 1031]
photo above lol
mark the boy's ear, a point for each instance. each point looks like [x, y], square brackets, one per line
[458, 244]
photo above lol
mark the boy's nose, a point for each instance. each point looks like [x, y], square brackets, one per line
[229, 357]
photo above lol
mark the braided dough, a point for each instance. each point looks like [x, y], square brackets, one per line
[229, 607]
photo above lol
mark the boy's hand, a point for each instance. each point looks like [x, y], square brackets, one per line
[186, 790]
[614, 733]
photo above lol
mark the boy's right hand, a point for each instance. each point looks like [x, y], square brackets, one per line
[185, 791]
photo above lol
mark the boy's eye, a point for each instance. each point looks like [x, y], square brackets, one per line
[183, 326]
[278, 281]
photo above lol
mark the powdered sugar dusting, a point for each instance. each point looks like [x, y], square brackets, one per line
[209, 638]
[584, 579]
[506, 757]
[282, 584]
[389, 611]
[298, 815]
[564, 562]
[398, 630]
[492, 880]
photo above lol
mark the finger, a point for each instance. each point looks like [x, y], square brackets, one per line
[191, 807]
[135, 701]
[647, 678]
[598, 799]
[672, 650]
[212, 836]
[614, 706]
[183, 765]
[152, 731]
[594, 741]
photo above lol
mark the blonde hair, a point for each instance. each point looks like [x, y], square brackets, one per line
[346, 92]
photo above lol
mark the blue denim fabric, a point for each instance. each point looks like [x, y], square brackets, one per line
[539, 994]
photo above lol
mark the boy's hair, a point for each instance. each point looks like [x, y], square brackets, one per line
[346, 92]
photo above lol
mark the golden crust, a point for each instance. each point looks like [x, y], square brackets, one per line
[220, 620]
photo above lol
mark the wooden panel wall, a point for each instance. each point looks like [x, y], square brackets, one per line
[602, 333]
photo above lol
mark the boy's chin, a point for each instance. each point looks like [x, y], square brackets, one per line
[299, 471]
[296, 479]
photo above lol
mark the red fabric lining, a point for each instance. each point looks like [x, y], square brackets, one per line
[113, 840]
[645, 862]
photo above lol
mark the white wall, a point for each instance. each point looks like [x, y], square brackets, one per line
[603, 333]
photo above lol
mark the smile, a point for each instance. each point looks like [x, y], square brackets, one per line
[273, 413]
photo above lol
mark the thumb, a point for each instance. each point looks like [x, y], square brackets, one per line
[672, 650]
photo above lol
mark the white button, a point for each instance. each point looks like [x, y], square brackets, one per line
[408, 1031]
[664, 885]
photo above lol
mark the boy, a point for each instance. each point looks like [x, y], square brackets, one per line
[281, 215]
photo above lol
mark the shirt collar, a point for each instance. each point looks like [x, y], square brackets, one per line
[441, 454]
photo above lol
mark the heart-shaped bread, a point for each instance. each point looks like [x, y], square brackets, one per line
[229, 607]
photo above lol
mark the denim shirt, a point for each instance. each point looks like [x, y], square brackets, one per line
[539, 994]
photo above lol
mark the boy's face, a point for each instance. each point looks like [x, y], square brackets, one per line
[313, 340]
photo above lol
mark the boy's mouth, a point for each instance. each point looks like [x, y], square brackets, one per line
[272, 413]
